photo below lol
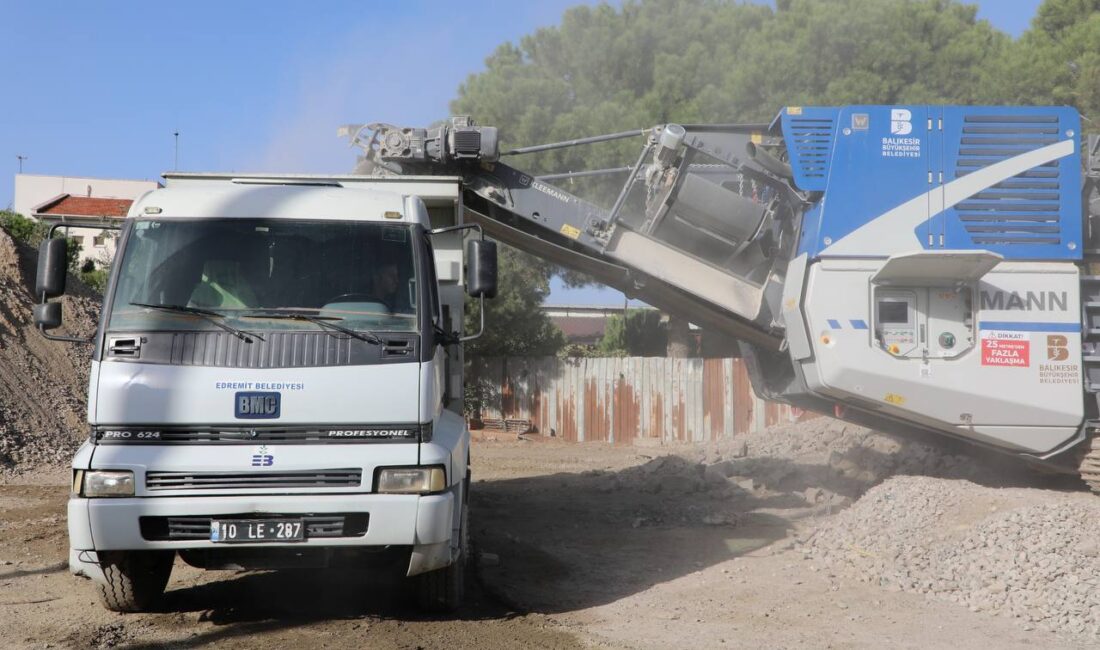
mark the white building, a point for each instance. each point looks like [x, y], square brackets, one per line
[79, 200]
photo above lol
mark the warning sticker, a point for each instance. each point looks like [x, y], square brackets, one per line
[1012, 349]
[569, 231]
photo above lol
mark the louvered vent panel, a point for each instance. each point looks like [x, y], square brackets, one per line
[1024, 209]
[467, 143]
[276, 350]
[809, 145]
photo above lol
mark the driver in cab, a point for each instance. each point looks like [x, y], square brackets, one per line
[385, 283]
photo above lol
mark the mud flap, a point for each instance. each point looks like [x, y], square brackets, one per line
[429, 557]
[86, 565]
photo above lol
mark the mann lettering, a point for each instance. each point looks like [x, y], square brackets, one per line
[1026, 301]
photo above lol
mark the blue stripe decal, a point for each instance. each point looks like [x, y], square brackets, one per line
[1031, 327]
[835, 324]
[858, 324]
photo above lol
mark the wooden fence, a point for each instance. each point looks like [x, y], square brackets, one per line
[623, 399]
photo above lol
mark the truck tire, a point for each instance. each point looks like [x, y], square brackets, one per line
[134, 579]
[441, 591]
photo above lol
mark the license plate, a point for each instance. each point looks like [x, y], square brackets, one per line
[229, 531]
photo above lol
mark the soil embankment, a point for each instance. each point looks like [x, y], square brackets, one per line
[43, 383]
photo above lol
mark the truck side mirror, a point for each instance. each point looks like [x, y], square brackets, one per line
[52, 263]
[47, 315]
[481, 268]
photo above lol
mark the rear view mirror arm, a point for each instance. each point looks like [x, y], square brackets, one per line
[461, 226]
[67, 339]
[481, 297]
[42, 308]
[481, 328]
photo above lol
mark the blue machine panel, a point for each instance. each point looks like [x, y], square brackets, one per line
[809, 134]
[905, 178]
[1033, 214]
[880, 159]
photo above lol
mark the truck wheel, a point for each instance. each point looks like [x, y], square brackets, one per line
[442, 590]
[134, 579]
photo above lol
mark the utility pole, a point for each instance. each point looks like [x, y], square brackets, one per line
[176, 163]
[21, 158]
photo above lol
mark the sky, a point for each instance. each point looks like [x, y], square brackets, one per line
[98, 89]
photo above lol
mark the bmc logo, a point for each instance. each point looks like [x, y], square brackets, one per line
[256, 406]
[901, 121]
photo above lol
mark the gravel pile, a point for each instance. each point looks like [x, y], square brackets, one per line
[42, 383]
[1027, 554]
[823, 464]
[667, 490]
[862, 454]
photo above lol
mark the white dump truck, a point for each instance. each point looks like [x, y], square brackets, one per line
[276, 382]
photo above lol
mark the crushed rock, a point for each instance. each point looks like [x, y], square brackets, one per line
[109, 635]
[671, 490]
[821, 463]
[1026, 554]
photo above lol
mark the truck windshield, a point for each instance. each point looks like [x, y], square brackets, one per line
[360, 274]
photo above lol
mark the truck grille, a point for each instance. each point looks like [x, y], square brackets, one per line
[159, 529]
[327, 478]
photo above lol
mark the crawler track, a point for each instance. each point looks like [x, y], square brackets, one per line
[1090, 464]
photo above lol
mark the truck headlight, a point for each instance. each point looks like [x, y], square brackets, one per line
[114, 483]
[411, 480]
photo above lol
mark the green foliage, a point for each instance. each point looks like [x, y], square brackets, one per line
[514, 323]
[1056, 61]
[72, 255]
[31, 233]
[640, 333]
[606, 69]
[579, 350]
[21, 228]
[95, 278]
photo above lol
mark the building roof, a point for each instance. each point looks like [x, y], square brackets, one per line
[581, 329]
[67, 205]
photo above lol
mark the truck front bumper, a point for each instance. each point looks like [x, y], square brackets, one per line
[114, 524]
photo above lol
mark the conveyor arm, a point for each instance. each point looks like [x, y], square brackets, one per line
[711, 245]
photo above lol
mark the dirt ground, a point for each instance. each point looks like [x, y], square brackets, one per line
[578, 546]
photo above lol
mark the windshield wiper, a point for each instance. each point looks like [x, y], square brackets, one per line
[210, 316]
[324, 322]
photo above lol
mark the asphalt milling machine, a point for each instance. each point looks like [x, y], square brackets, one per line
[915, 269]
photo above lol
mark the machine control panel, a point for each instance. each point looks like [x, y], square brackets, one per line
[923, 322]
[950, 322]
[896, 322]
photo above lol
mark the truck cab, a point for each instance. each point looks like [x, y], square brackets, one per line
[276, 381]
